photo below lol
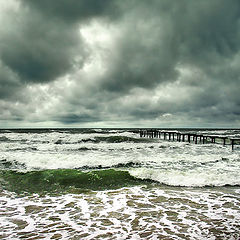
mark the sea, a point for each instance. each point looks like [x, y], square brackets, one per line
[114, 184]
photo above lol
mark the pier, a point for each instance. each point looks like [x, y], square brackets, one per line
[189, 137]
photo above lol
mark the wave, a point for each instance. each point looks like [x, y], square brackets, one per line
[4, 139]
[197, 177]
[116, 166]
[58, 181]
[22, 149]
[66, 180]
[118, 139]
[63, 130]
[82, 149]
[8, 140]
[5, 164]
[94, 139]
[107, 139]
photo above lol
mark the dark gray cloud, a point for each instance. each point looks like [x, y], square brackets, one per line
[9, 83]
[160, 35]
[71, 118]
[40, 50]
[168, 62]
[146, 53]
[72, 11]
[43, 40]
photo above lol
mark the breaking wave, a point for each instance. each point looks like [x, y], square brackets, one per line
[66, 180]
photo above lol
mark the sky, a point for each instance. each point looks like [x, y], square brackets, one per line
[120, 63]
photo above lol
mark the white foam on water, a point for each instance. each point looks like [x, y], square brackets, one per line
[132, 213]
[191, 178]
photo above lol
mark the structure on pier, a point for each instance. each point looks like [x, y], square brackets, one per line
[189, 137]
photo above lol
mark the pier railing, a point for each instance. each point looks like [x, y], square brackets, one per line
[189, 137]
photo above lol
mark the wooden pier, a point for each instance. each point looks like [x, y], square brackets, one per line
[189, 137]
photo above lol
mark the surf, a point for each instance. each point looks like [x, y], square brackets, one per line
[65, 180]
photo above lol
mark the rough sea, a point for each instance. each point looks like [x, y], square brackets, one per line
[112, 184]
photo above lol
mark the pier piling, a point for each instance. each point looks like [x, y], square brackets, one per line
[190, 137]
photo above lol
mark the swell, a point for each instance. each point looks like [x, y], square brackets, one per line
[4, 139]
[11, 165]
[96, 139]
[116, 166]
[62, 130]
[65, 180]
[59, 181]
[107, 139]
[117, 139]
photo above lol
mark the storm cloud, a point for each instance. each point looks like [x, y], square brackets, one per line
[135, 63]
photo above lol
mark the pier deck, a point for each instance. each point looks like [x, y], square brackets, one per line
[189, 137]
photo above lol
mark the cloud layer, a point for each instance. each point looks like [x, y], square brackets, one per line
[120, 63]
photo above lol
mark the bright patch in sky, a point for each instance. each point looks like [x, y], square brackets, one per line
[100, 39]
[97, 34]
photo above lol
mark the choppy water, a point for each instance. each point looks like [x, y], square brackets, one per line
[112, 184]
